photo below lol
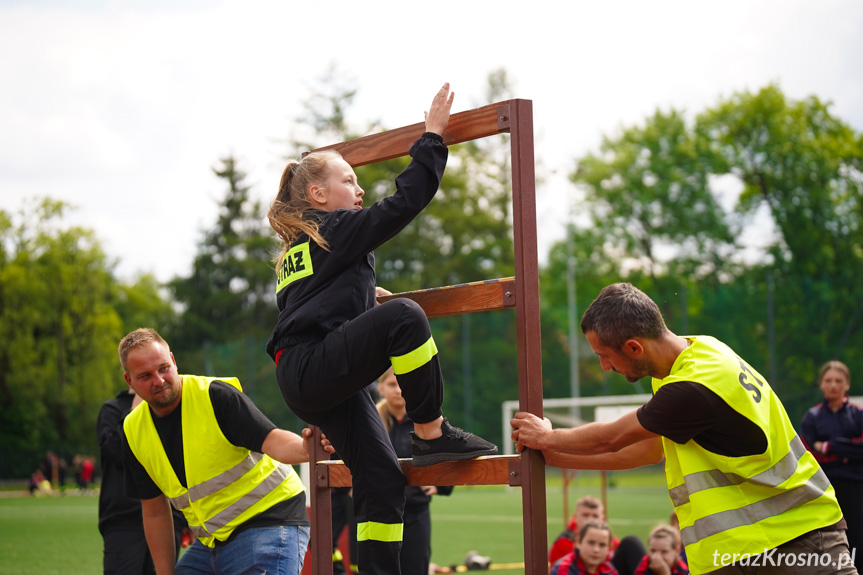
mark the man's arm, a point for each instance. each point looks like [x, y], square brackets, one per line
[289, 447]
[159, 532]
[645, 452]
[590, 439]
[285, 446]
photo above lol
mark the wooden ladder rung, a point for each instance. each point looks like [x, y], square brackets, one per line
[462, 298]
[463, 126]
[491, 470]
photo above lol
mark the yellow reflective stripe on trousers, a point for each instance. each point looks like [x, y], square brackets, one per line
[201, 490]
[373, 531]
[235, 509]
[414, 359]
[779, 473]
[750, 514]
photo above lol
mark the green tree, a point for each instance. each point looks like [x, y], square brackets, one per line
[786, 312]
[230, 290]
[144, 303]
[58, 360]
[806, 166]
[647, 191]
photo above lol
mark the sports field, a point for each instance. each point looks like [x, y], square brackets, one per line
[58, 535]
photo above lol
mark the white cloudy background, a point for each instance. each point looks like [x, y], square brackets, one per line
[121, 108]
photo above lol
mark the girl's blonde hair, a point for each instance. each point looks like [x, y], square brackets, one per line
[292, 201]
[382, 404]
[385, 414]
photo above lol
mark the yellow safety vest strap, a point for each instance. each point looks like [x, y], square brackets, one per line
[776, 475]
[234, 510]
[373, 531]
[817, 485]
[414, 359]
[218, 482]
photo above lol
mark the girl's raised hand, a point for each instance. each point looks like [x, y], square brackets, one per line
[437, 117]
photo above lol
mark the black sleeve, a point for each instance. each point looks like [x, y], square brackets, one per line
[684, 411]
[677, 412]
[846, 447]
[139, 485]
[109, 427]
[240, 420]
[357, 232]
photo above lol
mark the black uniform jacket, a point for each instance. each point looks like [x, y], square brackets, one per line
[331, 287]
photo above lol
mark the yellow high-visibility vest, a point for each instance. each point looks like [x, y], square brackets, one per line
[741, 505]
[227, 485]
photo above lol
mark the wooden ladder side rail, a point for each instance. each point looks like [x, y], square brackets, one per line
[492, 470]
[515, 117]
[528, 336]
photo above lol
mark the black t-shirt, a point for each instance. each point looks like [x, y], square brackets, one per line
[685, 410]
[242, 424]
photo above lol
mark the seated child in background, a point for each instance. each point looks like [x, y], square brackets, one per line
[588, 508]
[590, 556]
[663, 556]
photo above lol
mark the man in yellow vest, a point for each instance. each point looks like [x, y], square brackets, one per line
[750, 498]
[201, 445]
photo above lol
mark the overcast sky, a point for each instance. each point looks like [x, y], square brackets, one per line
[122, 108]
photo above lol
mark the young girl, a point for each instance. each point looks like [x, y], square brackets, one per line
[331, 340]
[590, 556]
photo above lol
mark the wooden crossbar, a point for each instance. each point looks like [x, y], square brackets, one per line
[463, 298]
[493, 470]
[462, 127]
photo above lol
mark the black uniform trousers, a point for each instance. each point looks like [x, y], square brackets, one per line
[416, 547]
[323, 383]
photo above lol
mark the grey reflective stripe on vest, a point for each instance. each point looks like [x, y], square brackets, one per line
[218, 482]
[779, 473]
[758, 511]
[232, 511]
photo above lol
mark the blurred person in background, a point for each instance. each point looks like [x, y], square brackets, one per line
[833, 431]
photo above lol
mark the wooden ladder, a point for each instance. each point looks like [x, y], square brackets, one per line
[526, 470]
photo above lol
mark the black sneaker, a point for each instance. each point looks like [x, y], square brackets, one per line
[454, 444]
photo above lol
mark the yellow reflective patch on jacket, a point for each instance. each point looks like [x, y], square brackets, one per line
[296, 264]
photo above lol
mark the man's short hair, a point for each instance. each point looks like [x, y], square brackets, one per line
[589, 501]
[665, 532]
[620, 312]
[138, 338]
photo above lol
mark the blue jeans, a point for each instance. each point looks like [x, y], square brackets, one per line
[276, 550]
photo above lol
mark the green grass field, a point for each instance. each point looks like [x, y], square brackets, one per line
[58, 535]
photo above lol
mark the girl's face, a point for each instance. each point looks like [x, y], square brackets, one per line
[340, 190]
[834, 385]
[391, 392]
[593, 547]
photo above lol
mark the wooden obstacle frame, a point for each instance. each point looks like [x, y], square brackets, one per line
[521, 292]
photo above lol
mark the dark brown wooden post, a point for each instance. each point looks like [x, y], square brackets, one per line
[520, 123]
